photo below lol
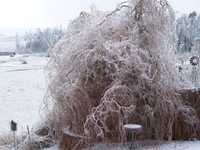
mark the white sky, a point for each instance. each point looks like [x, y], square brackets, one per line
[48, 13]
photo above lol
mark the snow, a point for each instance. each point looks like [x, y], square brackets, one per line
[12, 148]
[22, 88]
[193, 145]
[176, 146]
[132, 126]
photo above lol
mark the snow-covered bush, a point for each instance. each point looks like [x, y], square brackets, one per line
[116, 68]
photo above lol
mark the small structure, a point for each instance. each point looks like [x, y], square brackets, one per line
[132, 130]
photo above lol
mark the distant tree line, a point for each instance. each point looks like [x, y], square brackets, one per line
[188, 29]
[38, 40]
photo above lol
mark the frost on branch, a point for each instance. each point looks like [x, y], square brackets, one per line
[116, 68]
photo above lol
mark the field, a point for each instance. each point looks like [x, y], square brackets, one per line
[22, 88]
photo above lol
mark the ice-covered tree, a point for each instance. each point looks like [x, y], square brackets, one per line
[187, 28]
[115, 68]
[41, 40]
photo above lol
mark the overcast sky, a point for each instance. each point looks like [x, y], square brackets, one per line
[48, 13]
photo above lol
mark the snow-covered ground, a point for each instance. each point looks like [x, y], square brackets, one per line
[22, 89]
[193, 145]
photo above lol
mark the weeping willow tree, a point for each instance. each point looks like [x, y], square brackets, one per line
[116, 68]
